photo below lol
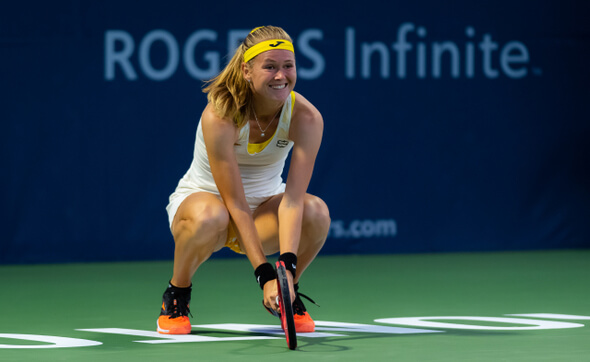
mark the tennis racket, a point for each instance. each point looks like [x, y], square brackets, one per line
[285, 305]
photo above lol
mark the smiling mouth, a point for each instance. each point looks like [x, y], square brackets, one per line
[280, 86]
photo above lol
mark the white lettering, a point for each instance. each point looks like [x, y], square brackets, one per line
[512, 57]
[355, 229]
[337, 229]
[121, 57]
[552, 316]
[427, 322]
[261, 328]
[520, 54]
[316, 57]
[144, 55]
[323, 328]
[366, 328]
[350, 51]
[487, 46]
[53, 341]
[421, 54]
[212, 58]
[169, 338]
[430, 58]
[437, 51]
[401, 47]
[235, 38]
[469, 53]
[359, 229]
[367, 50]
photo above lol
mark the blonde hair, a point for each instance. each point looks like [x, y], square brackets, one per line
[229, 93]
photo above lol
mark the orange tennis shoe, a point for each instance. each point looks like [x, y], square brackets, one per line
[302, 319]
[303, 322]
[175, 310]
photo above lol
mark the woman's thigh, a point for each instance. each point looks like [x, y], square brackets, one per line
[266, 219]
[198, 211]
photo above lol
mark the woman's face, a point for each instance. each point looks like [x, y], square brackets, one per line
[273, 74]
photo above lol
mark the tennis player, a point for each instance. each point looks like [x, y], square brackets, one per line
[233, 194]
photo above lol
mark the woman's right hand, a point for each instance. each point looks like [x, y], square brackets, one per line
[271, 294]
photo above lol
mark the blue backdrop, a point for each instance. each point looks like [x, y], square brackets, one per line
[462, 127]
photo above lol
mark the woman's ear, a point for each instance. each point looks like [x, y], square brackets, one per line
[246, 72]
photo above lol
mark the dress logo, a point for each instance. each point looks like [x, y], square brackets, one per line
[282, 143]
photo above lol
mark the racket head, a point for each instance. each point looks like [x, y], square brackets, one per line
[286, 307]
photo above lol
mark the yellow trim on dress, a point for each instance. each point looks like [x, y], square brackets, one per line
[232, 241]
[254, 148]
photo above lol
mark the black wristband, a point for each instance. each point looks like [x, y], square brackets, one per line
[290, 261]
[264, 273]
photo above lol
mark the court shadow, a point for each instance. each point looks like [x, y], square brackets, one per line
[342, 344]
[331, 344]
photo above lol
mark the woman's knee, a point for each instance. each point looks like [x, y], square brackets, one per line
[206, 221]
[316, 215]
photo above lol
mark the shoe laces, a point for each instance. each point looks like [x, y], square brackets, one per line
[178, 305]
[298, 305]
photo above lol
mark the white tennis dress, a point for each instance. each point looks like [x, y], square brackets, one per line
[260, 170]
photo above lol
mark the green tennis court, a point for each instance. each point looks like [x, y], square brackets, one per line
[517, 306]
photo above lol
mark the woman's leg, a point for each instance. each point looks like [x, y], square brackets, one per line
[199, 228]
[314, 229]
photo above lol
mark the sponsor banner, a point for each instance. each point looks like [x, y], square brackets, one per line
[458, 127]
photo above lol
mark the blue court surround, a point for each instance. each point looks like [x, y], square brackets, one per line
[461, 127]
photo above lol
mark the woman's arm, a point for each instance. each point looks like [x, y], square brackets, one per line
[220, 135]
[306, 133]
